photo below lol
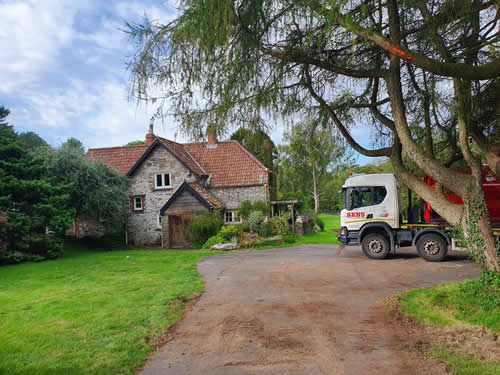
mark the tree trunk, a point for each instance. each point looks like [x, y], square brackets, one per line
[476, 230]
[315, 191]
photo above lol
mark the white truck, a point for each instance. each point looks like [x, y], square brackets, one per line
[372, 218]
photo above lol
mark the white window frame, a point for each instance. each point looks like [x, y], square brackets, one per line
[234, 215]
[135, 203]
[158, 221]
[163, 186]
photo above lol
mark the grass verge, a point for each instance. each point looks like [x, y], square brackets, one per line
[473, 303]
[464, 365]
[92, 312]
[328, 236]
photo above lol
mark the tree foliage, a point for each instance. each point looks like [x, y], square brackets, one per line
[310, 157]
[36, 205]
[260, 144]
[409, 70]
[97, 193]
[31, 141]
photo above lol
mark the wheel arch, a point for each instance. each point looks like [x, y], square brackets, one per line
[382, 228]
[437, 231]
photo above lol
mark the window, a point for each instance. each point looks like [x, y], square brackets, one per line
[158, 221]
[364, 196]
[138, 203]
[232, 217]
[162, 180]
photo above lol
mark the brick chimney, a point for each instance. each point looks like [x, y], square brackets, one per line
[150, 137]
[212, 135]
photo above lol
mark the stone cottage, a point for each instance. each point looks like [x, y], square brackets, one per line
[172, 183]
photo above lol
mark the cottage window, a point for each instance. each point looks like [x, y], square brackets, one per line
[232, 217]
[162, 180]
[138, 204]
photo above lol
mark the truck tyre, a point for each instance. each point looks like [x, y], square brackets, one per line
[375, 246]
[432, 247]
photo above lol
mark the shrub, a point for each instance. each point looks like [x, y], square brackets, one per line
[245, 209]
[206, 226]
[229, 231]
[289, 237]
[279, 224]
[260, 206]
[265, 230]
[249, 239]
[271, 241]
[319, 222]
[255, 220]
[214, 240]
[241, 228]
[248, 207]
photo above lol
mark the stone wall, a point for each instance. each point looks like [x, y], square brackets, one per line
[142, 228]
[233, 196]
[304, 224]
[142, 225]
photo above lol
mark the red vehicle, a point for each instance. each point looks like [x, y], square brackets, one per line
[491, 187]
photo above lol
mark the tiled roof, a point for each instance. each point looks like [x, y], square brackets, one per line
[229, 164]
[183, 155]
[214, 202]
[121, 158]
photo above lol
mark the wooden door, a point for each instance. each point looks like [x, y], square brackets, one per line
[176, 231]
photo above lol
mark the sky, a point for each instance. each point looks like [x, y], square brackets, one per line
[63, 71]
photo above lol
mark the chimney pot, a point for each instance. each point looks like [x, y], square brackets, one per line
[212, 135]
[150, 137]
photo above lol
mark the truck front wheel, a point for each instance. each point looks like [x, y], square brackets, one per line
[432, 247]
[375, 246]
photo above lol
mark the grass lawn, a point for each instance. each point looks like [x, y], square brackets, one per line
[328, 236]
[92, 312]
[472, 302]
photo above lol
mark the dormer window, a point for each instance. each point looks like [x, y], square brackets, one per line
[162, 181]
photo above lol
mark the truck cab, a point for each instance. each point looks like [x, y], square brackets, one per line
[372, 218]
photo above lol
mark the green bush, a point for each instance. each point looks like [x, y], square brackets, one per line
[214, 240]
[14, 257]
[245, 209]
[230, 231]
[280, 224]
[255, 220]
[288, 237]
[265, 230]
[206, 226]
[319, 222]
[260, 206]
[248, 207]
[271, 241]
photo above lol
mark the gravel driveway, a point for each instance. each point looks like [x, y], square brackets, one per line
[311, 309]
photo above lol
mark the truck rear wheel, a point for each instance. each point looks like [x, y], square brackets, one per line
[432, 247]
[375, 246]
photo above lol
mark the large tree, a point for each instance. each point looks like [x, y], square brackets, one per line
[260, 144]
[309, 157]
[408, 70]
[97, 192]
[36, 206]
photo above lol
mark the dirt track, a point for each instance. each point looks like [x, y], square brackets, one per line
[311, 309]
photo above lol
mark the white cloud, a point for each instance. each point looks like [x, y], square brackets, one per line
[32, 34]
[134, 11]
[96, 112]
